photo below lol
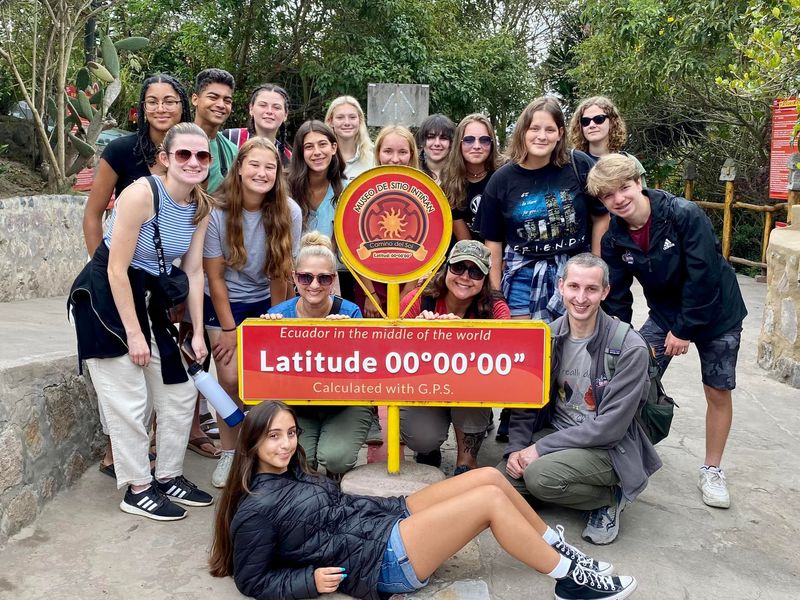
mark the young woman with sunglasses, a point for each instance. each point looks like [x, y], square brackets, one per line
[252, 235]
[434, 141]
[162, 103]
[467, 172]
[460, 290]
[598, 129]
[332, 435]
[282, 532]
[269, 109]
[537, 207]
[346, 118]
[124, 330]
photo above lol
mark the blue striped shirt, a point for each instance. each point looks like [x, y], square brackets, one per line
[175, 224]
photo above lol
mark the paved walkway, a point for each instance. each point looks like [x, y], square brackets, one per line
[83, 547]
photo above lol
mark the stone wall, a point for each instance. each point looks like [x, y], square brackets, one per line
[49, 434]
[779, 342]
[41, 246]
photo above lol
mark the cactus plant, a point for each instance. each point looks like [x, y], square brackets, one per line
[93, 100]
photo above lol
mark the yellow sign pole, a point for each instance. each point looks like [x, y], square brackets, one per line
[393, 416]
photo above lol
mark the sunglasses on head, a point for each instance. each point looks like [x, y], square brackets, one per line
[460, 268]
[598, 120]
[183, 156]
[324, 279]
[484, 140]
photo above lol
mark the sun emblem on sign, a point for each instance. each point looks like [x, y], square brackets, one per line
[392, 224]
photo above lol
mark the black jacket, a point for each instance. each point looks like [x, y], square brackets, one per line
[294, 523]
[690, 288]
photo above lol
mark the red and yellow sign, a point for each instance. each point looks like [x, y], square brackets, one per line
[413, 362]
[784, 118]
[393, 224]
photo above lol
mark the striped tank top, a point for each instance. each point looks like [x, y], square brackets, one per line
[175, 223]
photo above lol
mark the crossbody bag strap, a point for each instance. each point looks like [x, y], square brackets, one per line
[336, 306]
[162, 264]
[223, 163]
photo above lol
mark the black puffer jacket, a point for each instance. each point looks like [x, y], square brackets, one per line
[691, 289]
[294, 523]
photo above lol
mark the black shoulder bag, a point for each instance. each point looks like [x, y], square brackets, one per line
[175, 285]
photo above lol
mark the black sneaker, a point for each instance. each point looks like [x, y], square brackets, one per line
[502, 429]
[584, 584]
[571, 552]
[432, 458]
[151, 503]
[181, 490]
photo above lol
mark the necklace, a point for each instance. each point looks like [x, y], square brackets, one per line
[478, 175]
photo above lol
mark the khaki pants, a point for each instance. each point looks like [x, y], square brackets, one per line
[128, 395]
[424, 429]
[581, 478]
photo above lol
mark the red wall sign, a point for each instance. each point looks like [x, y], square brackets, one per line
[784, 118]
[363, 361]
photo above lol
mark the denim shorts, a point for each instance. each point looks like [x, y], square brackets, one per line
[240, 311]
[397, 574]
[717, 357]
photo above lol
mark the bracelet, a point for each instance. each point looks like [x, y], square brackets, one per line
[229, 330]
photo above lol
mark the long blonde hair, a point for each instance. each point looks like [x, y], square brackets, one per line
[275, 212]
[198, 195]
[363, 142]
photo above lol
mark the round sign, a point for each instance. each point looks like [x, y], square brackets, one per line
[393, 224]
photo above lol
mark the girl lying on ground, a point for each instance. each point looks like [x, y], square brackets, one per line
[283, 533]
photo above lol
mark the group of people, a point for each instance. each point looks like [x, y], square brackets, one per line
[554, 229]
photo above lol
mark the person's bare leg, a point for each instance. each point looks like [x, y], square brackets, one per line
[456, 486]
[719, 416]
[467, 447]
[228, 378]
[460, 518]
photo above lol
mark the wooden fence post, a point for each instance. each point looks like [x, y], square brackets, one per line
[689, 175]
[794, 185]
[728, 175]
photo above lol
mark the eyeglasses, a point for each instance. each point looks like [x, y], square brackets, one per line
[325, 279]
[460, 268]
[598, 120]
[167, 104]
[183, 156]
[469, 140]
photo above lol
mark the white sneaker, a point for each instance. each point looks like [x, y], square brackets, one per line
[715, 490]
[220, 475]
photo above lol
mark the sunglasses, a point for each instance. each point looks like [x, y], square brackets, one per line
[597, 119]
[460, 268]
[325, 279]
[183, 156]
[484, 140]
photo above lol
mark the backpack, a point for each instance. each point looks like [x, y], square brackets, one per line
[655, 413]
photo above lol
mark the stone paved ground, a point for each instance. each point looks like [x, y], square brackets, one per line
[83, 547]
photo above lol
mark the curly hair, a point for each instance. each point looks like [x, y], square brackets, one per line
[275, 212]
[144, 143]
[617, 131]
[454, 173]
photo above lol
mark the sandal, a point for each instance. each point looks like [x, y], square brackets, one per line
[196, 445]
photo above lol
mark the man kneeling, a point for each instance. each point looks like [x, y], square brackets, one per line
[584, 449]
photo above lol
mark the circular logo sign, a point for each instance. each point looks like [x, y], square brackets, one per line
[393, 224]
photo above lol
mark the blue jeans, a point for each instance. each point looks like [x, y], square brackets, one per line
[397, 574]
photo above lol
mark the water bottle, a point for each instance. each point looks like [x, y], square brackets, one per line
[219, 399]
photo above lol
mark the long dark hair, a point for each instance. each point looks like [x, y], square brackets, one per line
[275, 214]
[144, 144]
[243, 469]
[482, 302]
[298, 169]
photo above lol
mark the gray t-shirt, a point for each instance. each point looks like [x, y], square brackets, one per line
[575, 401]
[251, 283]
